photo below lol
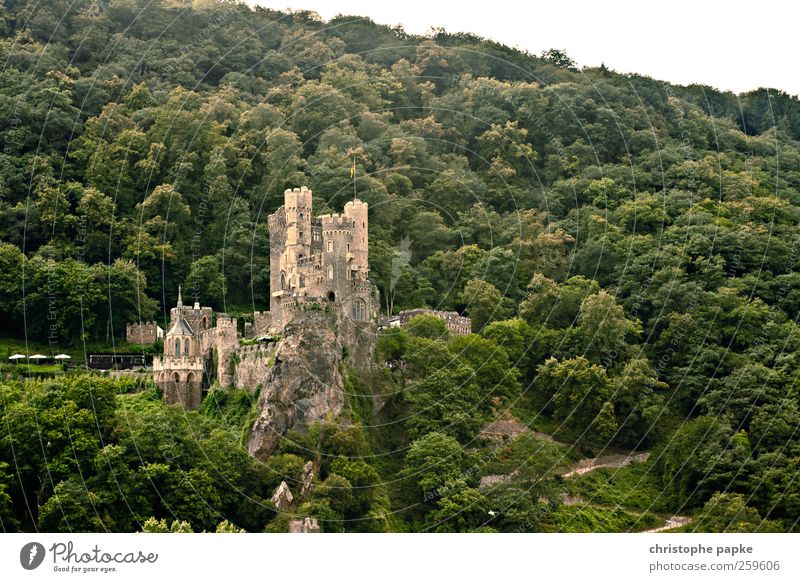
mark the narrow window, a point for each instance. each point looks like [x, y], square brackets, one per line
[330, 271]
[177, 348]
[330, 246]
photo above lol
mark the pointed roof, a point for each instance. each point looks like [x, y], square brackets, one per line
[181, 326]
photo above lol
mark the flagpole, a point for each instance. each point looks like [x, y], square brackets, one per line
[354, 178]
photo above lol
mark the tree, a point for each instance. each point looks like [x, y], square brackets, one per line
[703, 457]
[8, 522]
[206, 282]
[462, 509]
[11, 267]
[428, 233]
[603, 329]
[338, 492]
[581, 397]
[496, 377]
[638, 402]
[558, 58]
[435, 463]
[516, 337]
[446, 400]
[365, 482]
[427, 326]
[153, 525]
[227, 527]
[73, 508]
[554, 305]
[742, 393]
[727, 513]
[484, 303]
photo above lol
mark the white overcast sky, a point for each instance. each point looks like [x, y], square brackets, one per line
[732, 45]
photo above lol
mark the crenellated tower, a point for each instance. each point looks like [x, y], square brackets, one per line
[322, 260]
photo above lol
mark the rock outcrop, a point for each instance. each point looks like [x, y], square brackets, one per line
[304, 385]
[308, 476]
[305, 525]
[282, 498]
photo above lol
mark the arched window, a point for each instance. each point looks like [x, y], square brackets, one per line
[186, 347]
[302, 281]
[283, 280]
[204, 323]
[330, 271]
[177, 348]
[359, 310]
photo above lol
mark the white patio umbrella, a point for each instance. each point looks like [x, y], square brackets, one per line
[37, 357]
[16, 357]
[62, 357]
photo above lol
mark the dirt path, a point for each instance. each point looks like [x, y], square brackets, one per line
[672, 523]
[614, 461]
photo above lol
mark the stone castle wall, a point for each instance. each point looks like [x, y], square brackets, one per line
[312, 259]
[262, 321]
[142, 333]
[318, 269]
[180, 379]
[221, 342]
[456, 324]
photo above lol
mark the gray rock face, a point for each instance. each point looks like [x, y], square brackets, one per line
[308, 476]
[304, 384]
[282, 498]
[306, 525]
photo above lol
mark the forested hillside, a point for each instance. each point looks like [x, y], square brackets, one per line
[626, 249]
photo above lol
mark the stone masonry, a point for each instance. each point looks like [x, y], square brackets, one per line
[143, 333]
[316, 264]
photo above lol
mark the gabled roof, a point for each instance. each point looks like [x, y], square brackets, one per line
[181, 327]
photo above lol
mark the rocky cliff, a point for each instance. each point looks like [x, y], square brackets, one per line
[304, 384]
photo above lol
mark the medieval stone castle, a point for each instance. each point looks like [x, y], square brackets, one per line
[316, 263]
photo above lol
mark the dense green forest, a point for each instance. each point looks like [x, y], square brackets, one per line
[626, 249]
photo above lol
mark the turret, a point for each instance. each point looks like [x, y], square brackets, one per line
[179, 373]
[298, 208]
[357, 211]
[180, 340]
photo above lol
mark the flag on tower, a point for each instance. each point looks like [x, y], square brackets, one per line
[353, 169]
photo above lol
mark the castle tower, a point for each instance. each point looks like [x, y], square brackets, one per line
[298, 207]
[359, 247]
[322, 260]
[179, 373]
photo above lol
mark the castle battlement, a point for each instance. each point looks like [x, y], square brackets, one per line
[329, 221]
[316, 264]
[143, 333]
[456, 323]
[318, 260]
